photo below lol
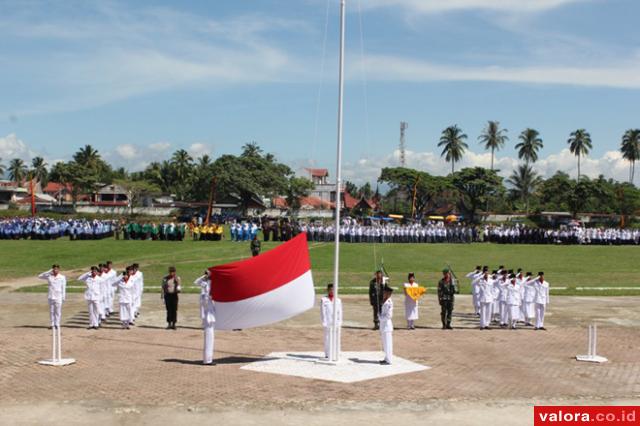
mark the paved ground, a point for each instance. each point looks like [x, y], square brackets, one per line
[149, 373]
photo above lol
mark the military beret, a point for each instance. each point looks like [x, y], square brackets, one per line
[445, 270]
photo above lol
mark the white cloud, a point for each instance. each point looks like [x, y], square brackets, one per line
[127, 151]
[610, 164]
[390, 68]
[160, 146]
[438, 6]
[199, 149]
[12, 147]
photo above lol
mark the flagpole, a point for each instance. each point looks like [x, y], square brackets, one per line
[335, 330]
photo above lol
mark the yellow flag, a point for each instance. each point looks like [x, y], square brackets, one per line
[416, 292]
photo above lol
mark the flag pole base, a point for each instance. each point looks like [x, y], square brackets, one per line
[57, 362]
[327, 361]
[591, 358]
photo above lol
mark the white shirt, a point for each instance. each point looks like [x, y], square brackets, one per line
[57, 285]
[126, 289]
[204, 283]
[326, 311]
[93, 291]
[541, 291]
[485, 290]
[386, 314]
[513, 294]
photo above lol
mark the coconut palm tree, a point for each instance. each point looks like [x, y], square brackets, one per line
[579, 145]
[17, 170]
[182, 163]
[87, 156]
[453, 142]
[525, 181]
[251, 150]
[39, 170]
[630, 149]
[493, 138]
[530, 144]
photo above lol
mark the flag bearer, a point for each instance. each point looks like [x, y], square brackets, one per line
[326, 316]
[386, 326]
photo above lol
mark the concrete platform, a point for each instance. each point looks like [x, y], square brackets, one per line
[352, 366]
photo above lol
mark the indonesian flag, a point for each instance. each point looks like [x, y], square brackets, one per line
[265, 289]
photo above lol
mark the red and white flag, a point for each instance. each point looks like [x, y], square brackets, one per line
[265, 289]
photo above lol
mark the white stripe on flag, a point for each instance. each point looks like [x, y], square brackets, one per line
[277, 305]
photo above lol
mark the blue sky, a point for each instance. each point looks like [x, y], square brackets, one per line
[138, 80]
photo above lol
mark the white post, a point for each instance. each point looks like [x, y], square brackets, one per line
[592, 343]
[595, 340]
[59, 345]
[53, 343]
[335, 332]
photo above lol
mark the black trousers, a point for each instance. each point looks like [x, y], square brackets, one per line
[171, 302]
[376, 321]
[446, 311]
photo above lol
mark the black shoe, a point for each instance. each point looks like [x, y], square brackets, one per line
[536, 328]
[542, 328]
[168, 326]
[449, 327]
[385, 362]
[376, 327]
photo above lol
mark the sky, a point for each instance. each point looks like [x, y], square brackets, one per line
[139, 80]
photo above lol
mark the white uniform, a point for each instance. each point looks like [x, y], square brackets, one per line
[514, 300]
[126, 292]
[485, 297]
[56, 295]
[92, 295]
[111, 275]
[138, 285]
[410, 306]
[208, 325]
[204, 283]
[528, 301]
[326, 318]
[103, 303]
[541, 300]
[502, 294]
[473, 276]
[386, 329]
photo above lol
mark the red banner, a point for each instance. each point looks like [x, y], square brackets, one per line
[592, 415]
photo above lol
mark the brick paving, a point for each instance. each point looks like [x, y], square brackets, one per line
[149, 365]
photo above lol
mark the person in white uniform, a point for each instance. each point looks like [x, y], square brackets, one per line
[386, 326]
[207, 314]
[528, 300]
[410, 305]
[514, 300]
[103, 285]
[541, 299]
[138, 286]
[485, 296]
[111, 275]
[93, 294]
[326, 317]
[125, 291]
[57, 293]
[473, 276]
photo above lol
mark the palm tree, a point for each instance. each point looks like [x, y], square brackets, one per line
[87, 156]
[181, 162]
[17, 170]
[630, 149]
[204, 162]
[493, 138]
[251, 150]
[529, 145]
[579, 145]
[39, 170]
[453, 142]
[525, 182]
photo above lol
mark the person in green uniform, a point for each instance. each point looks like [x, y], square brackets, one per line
[446, 296]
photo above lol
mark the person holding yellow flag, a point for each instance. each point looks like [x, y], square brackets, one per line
[412, 294]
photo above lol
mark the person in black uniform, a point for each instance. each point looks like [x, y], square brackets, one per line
[376, 297]
[170, 290]
[446, 296]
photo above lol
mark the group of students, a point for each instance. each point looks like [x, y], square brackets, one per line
[170, 231]
[506, 297]
[42, 228]
[519, 234]
[101, 284]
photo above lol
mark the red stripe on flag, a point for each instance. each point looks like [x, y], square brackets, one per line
[261, 274]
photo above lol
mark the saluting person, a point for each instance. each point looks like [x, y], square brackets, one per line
[126, 293]
[57, 293]
[92, 295]
[541, 299]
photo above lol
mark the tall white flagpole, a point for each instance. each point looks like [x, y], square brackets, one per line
[335, 330]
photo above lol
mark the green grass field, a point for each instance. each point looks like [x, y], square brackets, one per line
[571, 270]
